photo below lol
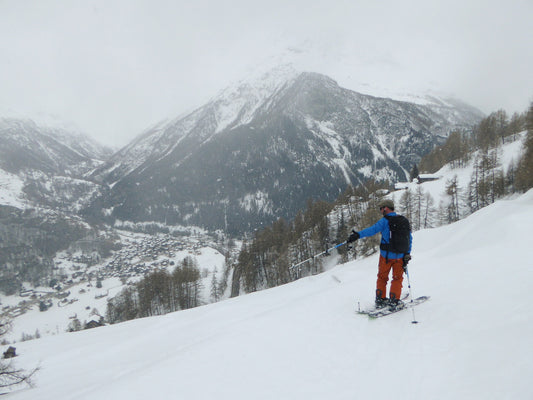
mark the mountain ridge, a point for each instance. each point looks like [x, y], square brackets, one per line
[303, 128]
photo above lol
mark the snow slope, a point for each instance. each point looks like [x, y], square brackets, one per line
[11, 193]
[508, 154]
[87, 302]
[303, 340]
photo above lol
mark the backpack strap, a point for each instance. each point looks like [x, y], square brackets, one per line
[386, 246]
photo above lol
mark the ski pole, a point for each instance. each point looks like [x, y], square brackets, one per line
[316, 255]
[414, 321]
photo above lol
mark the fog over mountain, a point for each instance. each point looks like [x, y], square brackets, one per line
[136, 63]
[261, 149]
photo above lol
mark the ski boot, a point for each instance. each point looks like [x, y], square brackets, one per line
[395, 304]
[381, 302]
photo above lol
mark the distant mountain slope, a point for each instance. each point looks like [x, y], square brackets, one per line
[261, 150]
[48, 164]
[26, 146]
[41, 190]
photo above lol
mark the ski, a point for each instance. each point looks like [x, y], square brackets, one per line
[366, 312]
[378, 313]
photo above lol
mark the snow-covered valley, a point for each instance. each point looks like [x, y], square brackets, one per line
[304, 340]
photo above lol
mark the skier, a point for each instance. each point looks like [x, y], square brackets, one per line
[388, 259]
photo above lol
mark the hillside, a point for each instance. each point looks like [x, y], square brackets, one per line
[77, 270]
[262, 149]
[26, 146]
[304, 341]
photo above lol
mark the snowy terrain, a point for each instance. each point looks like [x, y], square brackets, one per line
[11, 190]
[508, 154]
[87, 302]
[304, 340]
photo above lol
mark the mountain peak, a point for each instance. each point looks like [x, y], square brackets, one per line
[260, 149]
[27, 145]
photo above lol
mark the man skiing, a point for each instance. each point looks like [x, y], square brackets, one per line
[390, 257]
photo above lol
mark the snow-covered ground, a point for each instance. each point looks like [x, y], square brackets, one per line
[87, 302]
[304, 340]
[509, 153]
[11, 190]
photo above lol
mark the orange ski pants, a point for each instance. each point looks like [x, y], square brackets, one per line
[383, 277]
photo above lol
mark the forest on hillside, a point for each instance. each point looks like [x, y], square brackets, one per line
[267, 255]
[266, 258]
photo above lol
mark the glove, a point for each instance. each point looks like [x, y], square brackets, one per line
[353, 237]
[406, 259]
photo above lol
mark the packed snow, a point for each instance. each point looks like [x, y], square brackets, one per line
[304, 340]
[85, 301]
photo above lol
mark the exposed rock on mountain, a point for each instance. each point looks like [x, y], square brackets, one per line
[26, 146]
[41, 189]
[261, 150]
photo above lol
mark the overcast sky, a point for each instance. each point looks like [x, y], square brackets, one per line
[115, 67]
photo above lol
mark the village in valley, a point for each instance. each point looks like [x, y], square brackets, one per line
[76, 296]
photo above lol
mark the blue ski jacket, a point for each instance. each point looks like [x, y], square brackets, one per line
[383, 226]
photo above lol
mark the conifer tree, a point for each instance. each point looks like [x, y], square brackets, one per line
[414, 173]
[452, 190]
[428, 211]
[407, 206]
[516, 124]
[418, 199]
[215, 295]
[510, 177]
[486, 133]
[473, 194]
[501, 122]
[524, 174]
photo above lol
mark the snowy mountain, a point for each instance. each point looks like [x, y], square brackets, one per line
[42, 190]
[139, 253]
[303, 340]
[46, 167]
[25, 146]
[256, 152]
[260, 150]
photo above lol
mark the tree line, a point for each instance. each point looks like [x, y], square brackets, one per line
[482, 147]
[492, 131]
[266, 257]
[158, 293]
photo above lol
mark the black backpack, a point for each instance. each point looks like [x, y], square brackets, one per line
[399, 234]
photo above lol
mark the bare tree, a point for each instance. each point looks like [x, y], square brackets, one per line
[416, 220]
[407, 204]
[10, 375]
[429, 211]
[524, 172]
